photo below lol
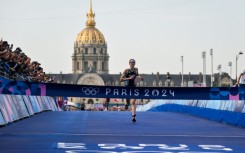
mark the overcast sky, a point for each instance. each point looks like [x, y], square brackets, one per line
[154, 32]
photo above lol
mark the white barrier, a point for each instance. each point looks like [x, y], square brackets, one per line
[52, 103]
[28, 105]
[8, 109]
[20, 106]
[2, 121]
[15, 107]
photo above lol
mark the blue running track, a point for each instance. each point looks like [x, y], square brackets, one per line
[111, 132]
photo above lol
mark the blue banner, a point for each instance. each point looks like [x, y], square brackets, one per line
[69, 90]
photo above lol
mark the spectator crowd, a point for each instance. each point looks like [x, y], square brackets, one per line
[15, 65]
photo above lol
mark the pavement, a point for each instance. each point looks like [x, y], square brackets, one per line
[112, 132]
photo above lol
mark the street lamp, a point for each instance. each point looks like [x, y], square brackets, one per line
[168, 79]
[237, 56]
[230, 64]
[182, 80]
[212, 74]
[219, 68]
[204, 67]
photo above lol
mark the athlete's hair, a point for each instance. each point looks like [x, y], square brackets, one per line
[131, 61]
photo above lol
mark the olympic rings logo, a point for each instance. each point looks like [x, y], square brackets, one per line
[90, 90]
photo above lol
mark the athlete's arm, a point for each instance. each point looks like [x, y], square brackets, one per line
[123, 76]
[138, 76]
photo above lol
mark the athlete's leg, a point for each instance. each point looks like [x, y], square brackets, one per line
[128, 101]
[127, 104]
[133, 110]
[107, 105]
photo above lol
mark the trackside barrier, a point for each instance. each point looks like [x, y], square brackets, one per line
[229, 112]
[28, 105]
[50, 103]
[228, 105]
[16, 107]
[35, 104]
[2, 121]
[20, 106]
[8, 109]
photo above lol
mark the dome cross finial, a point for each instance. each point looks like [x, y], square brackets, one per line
[90, 22]
[91, 6]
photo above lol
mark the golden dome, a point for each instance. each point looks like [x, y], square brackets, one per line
[90, 35]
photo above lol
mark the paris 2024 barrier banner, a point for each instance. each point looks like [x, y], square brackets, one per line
[70, 90]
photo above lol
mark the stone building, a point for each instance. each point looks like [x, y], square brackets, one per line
[90, 49]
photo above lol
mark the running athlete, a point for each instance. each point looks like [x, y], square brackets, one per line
[129, 76]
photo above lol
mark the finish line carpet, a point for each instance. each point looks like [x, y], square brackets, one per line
[111, 132]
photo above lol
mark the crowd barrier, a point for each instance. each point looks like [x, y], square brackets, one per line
[16, 107]
[225, 111]
[227, 105]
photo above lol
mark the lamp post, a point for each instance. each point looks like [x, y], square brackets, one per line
[219, 68]
[182, 80]
[212, 74]
[230, 65]
[204, 67]
[237, 56]
[168, 79]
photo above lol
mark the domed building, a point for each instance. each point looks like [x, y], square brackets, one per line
[90, 49]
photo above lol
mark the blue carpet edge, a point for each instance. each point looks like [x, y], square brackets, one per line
[227, 117]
